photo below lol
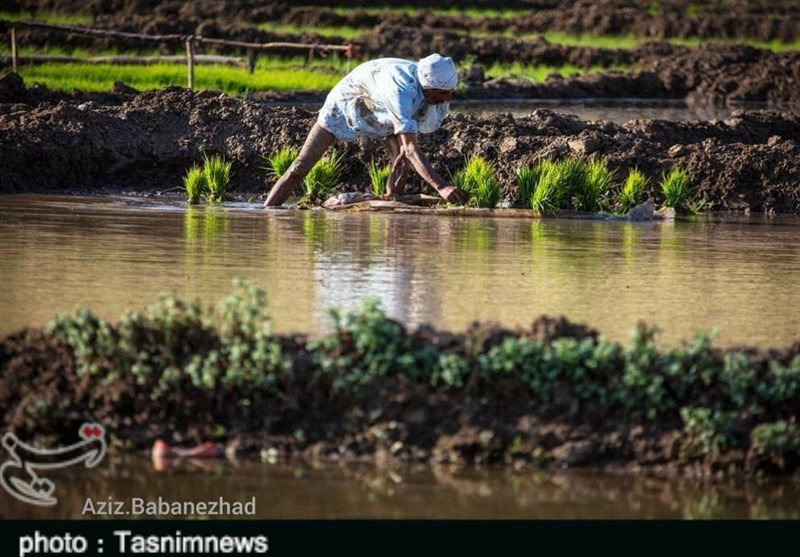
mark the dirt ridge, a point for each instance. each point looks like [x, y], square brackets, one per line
[147, 143]
[393, 419]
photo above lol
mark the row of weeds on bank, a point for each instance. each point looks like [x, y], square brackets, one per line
[209, 181]
[174, 344]
[581, 184]
[180, 353]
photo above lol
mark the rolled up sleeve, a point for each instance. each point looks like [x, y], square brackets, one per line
[399, 103]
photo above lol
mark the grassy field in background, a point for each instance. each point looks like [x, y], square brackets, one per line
[539, 72]
[411, 10]
[272, 74]
[632, 41]
[347, 32]
[340, 32]
[554, 37]
[101, 77]
[47, 17]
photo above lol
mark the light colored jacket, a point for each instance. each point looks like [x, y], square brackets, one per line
[379, 98]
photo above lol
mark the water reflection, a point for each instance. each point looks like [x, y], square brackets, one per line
[115, 254]
[305, 491]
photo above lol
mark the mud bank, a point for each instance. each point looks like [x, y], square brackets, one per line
[490, 400]
[745, 162]
[765, 20]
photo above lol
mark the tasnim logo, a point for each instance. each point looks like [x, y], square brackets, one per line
[19, 478]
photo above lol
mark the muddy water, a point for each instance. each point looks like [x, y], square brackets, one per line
[617, 111]
[302, 491]
[114, 254]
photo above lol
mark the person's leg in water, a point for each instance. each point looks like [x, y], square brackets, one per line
[317, 142]
[395, 183]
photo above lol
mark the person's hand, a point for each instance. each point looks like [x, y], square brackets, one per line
[452, 194]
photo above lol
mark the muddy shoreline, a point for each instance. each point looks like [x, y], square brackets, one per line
[396, 417]
[746, 162]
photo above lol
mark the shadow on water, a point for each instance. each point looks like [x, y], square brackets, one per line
[304, 491]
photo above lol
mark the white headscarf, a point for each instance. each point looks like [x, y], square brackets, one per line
[437, 72]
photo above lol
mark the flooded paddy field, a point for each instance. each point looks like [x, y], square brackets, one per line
[740, 273]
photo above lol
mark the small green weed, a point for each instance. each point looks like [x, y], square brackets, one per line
[378, 177]
[677, 189]
[217, 174]
[477, 178]
[194, 183]
[633, 191]
[322, 179]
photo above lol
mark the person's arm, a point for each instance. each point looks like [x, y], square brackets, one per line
[410, 149]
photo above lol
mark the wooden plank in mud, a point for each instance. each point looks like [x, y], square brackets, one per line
[404, 208]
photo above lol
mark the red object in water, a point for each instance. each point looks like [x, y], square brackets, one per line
[162, 449]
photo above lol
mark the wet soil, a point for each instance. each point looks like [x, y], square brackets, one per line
[394, 419]
[764, 19]
[146, 144]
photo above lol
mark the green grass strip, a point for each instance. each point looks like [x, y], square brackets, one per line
[101, 77]
[47, 17]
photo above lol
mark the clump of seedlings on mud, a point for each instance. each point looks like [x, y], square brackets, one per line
[479, 181]
[548, 186]
[677, 189]
[209, 181]
[194, 184]
[378, 177]
[279, 162]
[322, 178]
[217, 173]
[633, 190]
[576, 184]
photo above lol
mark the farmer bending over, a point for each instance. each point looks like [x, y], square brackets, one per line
[385, 98]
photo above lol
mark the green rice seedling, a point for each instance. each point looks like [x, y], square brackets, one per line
[322, 178]
[477, 178]
[593, 194]
[194, 183]
[677, 189]
[633, 191]
[378, 177]
[280, 161]
[569, 178]
[487, 192]
[527, 179]
[466, 178]
[217, 174]
[546, 198]
[570, 184]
